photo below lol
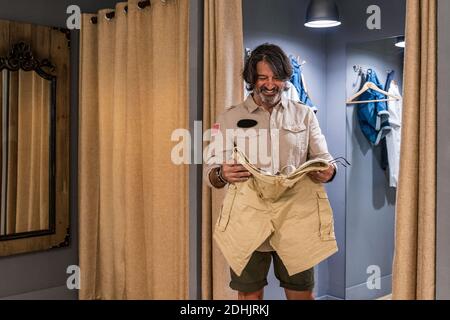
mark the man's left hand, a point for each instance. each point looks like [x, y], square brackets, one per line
[322, 176]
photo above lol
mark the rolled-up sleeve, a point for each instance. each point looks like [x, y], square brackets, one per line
[219, 150]
[318, 148]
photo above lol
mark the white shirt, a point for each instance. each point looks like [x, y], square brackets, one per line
[393, 138]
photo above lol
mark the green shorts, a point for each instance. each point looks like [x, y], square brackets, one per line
[254, 276]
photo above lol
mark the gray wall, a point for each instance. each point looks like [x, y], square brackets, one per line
[342, 194]
[370, 201]
[443, 161]
[281, 22]
[42, 275]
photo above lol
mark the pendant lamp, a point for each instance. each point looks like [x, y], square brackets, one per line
[322, 14]
[400, 42]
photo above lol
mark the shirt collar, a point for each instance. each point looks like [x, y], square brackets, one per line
[252, 106]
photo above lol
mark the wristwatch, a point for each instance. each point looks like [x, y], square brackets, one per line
[219, 175]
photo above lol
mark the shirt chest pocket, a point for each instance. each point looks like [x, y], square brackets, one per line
[295, 136]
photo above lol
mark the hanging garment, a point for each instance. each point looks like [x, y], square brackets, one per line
[293, 211]
[389, 79]
[291, 92]
[297, 80]
[373, 116]
[393, 138]
[384, 154]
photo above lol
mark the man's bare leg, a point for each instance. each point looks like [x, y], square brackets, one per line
[257, 295]
[298, 295]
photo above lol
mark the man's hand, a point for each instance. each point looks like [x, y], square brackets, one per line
[322, 176]
[235, 173]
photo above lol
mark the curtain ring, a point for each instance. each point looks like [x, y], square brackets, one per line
[144, 4]
[125, 9]
[94, 20]
[164, 2]
[110, 15]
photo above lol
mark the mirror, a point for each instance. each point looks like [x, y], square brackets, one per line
[28, 97]
[34, 129]
[370, 213]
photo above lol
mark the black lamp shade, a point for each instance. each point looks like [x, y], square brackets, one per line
[322, 11]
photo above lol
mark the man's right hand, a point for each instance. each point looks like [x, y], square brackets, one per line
[235, 173]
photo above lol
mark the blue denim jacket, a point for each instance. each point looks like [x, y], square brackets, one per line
[373, 116]
[296, 80]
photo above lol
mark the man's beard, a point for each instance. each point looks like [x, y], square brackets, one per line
[270, 100]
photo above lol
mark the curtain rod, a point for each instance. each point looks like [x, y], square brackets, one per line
[110, 15]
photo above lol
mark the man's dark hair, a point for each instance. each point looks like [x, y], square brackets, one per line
[274, 56]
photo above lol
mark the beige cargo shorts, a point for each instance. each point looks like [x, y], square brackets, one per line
[292, 210]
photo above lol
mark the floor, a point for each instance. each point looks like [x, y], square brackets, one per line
[388, 297]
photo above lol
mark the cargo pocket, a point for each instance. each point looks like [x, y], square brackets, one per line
[326, 225]
[227, 205]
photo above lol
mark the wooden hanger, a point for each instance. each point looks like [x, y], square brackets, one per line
[370, 85]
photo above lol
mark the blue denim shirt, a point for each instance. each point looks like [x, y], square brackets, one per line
[373, 116]
[296, 80]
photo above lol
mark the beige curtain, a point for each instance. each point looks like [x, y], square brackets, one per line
[133, 201]
[414, 259]
[223, 86]
[27, 202]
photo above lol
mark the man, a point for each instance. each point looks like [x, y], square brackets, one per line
[285, 130]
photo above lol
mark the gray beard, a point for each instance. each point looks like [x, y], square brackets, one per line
[269, 101]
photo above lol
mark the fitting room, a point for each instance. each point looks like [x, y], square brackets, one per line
[96, 96]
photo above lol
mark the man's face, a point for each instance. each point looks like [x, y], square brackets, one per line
[268, 87]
